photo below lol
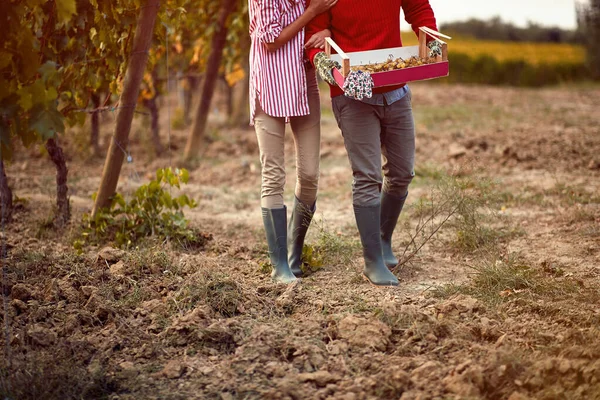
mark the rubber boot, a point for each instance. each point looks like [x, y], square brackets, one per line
[368, 222]
[276, 230]
[391, 207]
[301, 217]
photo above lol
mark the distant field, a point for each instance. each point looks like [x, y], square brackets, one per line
[532, 53]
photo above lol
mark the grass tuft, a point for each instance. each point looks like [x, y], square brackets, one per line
[331, 248]
[214, 289]
[497, 280]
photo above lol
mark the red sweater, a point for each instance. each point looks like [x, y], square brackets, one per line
[361, 25]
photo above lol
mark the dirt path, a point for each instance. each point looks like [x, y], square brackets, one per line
[502, 303]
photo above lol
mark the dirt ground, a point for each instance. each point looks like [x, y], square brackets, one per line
[502, 302]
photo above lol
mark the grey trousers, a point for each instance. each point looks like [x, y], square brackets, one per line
[371, 132]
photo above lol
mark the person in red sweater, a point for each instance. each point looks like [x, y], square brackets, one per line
[380, 124]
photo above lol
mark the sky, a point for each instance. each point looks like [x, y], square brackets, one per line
[545, 12]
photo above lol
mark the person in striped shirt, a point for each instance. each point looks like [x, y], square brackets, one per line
[376, 127]
[283, 88]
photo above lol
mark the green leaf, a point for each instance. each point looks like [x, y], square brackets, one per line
[183, 200]
[28, 53]
[66, 9]
[7, 88]
[25, 99]
[154, 186]
[167, 174]
[51, 94]
[35, 3]
[167, 200]
[32, 94]
[48, 71]
[5, 61]
[185, 175]
[46, 121]
[28, 137]
[119, 200]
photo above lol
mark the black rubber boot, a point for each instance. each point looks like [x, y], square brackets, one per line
[276, 230]
[301, 217]
[391, 207]
[368, 222]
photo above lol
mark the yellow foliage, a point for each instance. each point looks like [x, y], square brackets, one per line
[197, 58]
[532, 53]
[178, 45]
[148, 91]
[236, 75]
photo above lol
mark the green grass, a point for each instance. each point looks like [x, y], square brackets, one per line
[329, 248]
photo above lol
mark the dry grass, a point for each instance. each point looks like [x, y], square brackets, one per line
[215, 289]
[499, 278]
[463, 205]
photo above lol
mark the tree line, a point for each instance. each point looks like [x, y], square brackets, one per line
[587, 32]
[588, 20]
[497, 29]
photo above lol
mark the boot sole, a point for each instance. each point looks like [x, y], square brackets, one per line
[366, 278]
[299, 274]
[286, 282]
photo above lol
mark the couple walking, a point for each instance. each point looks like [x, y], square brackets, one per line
[285, 57]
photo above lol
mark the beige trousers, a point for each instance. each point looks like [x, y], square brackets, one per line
[270, 132]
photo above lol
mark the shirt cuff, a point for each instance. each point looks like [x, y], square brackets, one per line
[270, 33]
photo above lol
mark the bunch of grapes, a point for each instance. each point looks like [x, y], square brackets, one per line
[394, 64]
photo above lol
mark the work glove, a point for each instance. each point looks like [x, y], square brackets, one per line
[358, 85]
[435, 48]
[325, 66]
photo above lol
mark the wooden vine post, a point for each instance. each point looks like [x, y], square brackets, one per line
[211, 76]
[127, 103]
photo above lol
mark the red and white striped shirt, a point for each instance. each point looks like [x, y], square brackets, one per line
[277, 79]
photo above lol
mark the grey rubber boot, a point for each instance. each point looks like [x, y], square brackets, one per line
[300, 221]
[391, 207]
[276, 230]
[368, 222]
